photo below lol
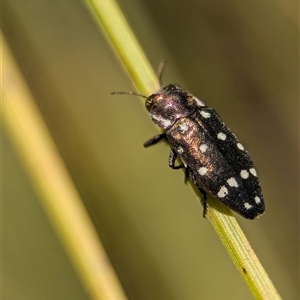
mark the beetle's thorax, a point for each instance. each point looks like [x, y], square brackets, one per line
[169, 104]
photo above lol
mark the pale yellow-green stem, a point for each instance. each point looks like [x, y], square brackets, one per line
[40, 157]
[111, 19]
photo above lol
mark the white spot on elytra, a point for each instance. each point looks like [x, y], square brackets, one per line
[202, 171]
[221, 136]
[222, 192]
[199, 102]
[247, 205]
[232, 182]
[205, 114]
[240, 146]
[244, 174]
[183, 127]
[257, 199]
[180, 150]
[203, 148]
[253, 172]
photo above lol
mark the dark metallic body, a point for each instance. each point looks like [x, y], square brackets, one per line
[213, 156]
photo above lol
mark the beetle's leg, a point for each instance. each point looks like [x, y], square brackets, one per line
[203, 192]
[154, 140]
[172, 158]
[204, 196]
[187, 174]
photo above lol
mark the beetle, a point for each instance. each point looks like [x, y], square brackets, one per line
[214, 159]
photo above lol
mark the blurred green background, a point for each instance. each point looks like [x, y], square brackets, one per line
[241, 57]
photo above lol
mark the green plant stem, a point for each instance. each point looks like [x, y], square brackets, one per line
[131, 55]
[33, 142]
[123, 41]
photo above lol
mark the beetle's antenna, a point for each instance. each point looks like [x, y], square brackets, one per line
[128, 93]
[160, 71]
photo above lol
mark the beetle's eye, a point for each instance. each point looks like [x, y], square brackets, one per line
[149, 103]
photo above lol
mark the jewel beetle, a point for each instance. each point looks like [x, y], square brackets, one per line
[214, 159]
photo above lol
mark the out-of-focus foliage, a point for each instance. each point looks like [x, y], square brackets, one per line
[241, 57]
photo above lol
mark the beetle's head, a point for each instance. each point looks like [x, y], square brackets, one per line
[169, 104]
